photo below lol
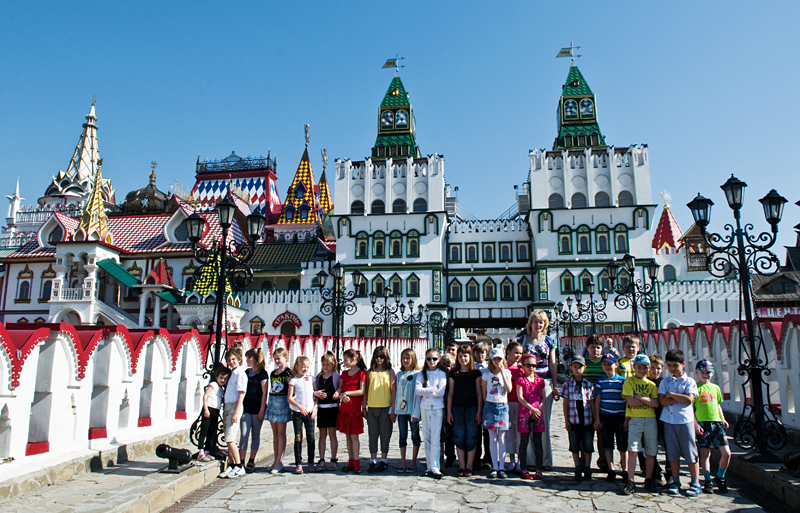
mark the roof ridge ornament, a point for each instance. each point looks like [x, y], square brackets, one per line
[308, 138]
[394, 63]
[153, 164]
[567, 52]
[666, 197]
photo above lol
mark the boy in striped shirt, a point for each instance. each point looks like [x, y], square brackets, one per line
[609, 408]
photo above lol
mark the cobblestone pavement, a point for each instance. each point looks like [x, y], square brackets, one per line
[333, 492]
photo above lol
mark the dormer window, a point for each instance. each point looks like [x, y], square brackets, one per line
[181, 234]
[289, 213]
[299, 191]
[56, 235]
[304, 212]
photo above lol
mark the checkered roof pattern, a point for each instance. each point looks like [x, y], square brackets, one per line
[209, 192]
[304, 176]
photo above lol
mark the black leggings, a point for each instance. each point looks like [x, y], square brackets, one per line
[299, 421]
[207, 440]
[523, 449]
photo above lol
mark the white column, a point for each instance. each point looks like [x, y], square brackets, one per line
[142, 307]
[156, 311]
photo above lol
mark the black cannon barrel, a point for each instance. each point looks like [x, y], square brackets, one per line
[181, 456]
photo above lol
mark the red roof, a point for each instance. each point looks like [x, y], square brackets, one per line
[668, 233]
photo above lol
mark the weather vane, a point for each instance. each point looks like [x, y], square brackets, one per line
[567, 52]
[666, 197]
[153, 164]
[324, 159]
[394, 63]
[307, 136]
[94, 99]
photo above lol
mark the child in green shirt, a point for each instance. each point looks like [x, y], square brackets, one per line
[710, 426]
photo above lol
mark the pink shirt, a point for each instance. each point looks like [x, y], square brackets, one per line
[532, 392]
[516, 372]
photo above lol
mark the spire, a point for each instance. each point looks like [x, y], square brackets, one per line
[301, 206]
[577, 114]
[94, 222]
[395, 124]
[668, 233]
[14, 202]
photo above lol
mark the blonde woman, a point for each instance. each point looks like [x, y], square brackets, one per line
[536, 342]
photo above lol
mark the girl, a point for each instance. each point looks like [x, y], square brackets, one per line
[377, 409]
[278, 413]
[495, 385]
[351, 394]
[212, 404]
[446, 363]
[464, 403]
[255, 402]
[304, 409]
[325, 387]
[403, 407]
[530, 422]
[429, 407]
[513, 356]
[536, 342]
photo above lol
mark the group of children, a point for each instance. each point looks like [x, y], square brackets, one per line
[469, 393]
[627, 402]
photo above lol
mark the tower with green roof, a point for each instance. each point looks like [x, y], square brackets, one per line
[577, 115]
[395, 124]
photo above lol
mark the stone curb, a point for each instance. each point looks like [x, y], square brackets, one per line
[773, 482]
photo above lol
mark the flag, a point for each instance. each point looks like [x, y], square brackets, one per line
[390, 63]
[564, 52]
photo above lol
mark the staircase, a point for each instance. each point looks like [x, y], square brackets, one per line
[116, 314]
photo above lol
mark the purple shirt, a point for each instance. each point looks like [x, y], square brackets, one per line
[542, 352]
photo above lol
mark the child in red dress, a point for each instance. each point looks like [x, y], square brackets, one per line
[351, 393]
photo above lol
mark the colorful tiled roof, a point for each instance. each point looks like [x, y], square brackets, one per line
[668, 233]
[94, 222]
[301, 199]
[159, 275]
[69, 225]
[282, 257]
[396, 95]
[325, 201]
[575, 85]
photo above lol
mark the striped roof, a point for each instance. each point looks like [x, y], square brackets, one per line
[668, 233]
[301, 203]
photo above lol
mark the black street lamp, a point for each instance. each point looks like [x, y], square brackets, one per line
[387, 314]
[591, 310]
[413, 320]
[633, 293]
[438, 329]
[737, 251]
[337, 302]
[221, 264]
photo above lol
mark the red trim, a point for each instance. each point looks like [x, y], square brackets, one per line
[34, 448]
[145, 422]
[180, 415]
[97, 433]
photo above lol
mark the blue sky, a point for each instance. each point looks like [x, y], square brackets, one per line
[709, 86]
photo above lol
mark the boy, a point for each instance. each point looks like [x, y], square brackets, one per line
[480, 352]
[234, 401]
[609, 410]
[641, 397]
[676, 395]
[578, 394]
[593, 372]
[630, 346]
[451, 348]
[656, 369]
[710, 426]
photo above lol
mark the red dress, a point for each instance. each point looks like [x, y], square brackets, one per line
[350, 421]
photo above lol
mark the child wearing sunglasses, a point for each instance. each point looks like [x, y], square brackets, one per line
[529, 389]
[429, 408]
[377, 409]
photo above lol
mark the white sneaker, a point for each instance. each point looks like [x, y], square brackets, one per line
[227, 474]
[239, 472]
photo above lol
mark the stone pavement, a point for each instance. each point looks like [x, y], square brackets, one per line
[334, 492]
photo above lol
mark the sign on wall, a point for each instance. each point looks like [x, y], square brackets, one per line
[437, 286]
[287, 316]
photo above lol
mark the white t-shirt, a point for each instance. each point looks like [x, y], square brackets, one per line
[215, 397]
[495, 391]
[303, 392]
[236, 383]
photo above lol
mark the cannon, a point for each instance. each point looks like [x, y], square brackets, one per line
[176, 457]
[791, 462]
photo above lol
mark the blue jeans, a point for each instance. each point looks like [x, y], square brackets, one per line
[403, 422]
[465, 427]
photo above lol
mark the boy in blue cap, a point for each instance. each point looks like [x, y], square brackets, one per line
[710, 426]
[609, 408]
[641, 396]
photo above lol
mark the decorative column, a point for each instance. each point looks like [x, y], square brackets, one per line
[156, 310]
[142, 307]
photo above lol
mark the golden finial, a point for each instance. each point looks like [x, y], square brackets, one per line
[307, 136]
[153, 165]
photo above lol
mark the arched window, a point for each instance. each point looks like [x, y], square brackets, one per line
[455, 291]
[601, 199]
[294, 284]
[507, 290]
[361, 249]
[505, 252]
[57, 234]
[625, 199]
[396, 250]
[413, 286]
[622, 243]
[524, 289]
[567, 283]
[488, 251]
[583, 243]
[377, 285]
[378, 207]
[289, 213]
[413, 244]
[602, 243]
[472, 291]
[565, 245]
[266, 285]
[397, 285]
[420, 205]
[578, 200]
[304, 212]
[47, 289]
[669, 273]
[522, 252]
[24, 291]
[489, 290]
[472, 252]
[555, 201]
[398, 206]
[357, 207]
[378, 241]
[299, 191]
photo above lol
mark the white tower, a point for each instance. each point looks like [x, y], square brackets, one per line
[13, 208]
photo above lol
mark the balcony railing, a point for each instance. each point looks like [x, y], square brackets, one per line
[78, 294]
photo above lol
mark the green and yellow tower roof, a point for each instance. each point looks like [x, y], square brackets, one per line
[577, 115]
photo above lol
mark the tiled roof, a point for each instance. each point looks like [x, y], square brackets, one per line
[69, 224]
[325, 201]
[305, 177]
[397, 139]
[282, 257]
[396, 95]
[575, 85]
[668, 233]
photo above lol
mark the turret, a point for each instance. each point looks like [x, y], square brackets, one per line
[13, 208]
